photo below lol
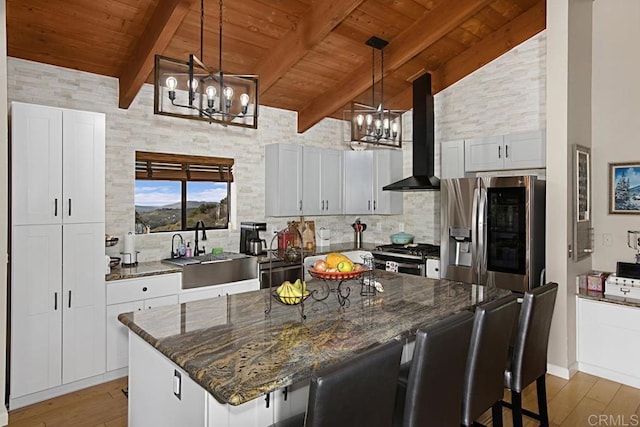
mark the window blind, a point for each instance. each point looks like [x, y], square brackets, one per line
[172, 167]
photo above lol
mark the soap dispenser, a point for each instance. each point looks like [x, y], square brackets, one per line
[188, 252]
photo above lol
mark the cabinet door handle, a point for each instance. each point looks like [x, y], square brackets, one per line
[499, 152]
[506, 151]
[55, 207]
[322, 208]
[327, 204]
[55, 301]
[374, 205]
[286, 393]
[69, 207]
[369, 205]
[300, 204]
[267, 399]
[177, 384]
[69, 299]
[144, 289]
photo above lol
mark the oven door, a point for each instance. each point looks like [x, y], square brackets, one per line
[417, 268]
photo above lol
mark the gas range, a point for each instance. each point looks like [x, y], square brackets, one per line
[412, 251]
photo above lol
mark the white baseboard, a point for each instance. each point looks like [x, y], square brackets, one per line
[609, 374]
[50, 393]
[561, 371]
[4, 416]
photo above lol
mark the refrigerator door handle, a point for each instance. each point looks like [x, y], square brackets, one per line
[474, 231]
[482, 232]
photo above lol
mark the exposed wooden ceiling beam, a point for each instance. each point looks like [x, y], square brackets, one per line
[322, 18]
[423, 33]
[517, 31]
[163, 24]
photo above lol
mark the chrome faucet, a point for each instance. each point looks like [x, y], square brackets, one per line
[176, 253]
[196, 250]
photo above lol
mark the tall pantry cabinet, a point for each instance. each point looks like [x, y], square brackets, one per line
[57, 248]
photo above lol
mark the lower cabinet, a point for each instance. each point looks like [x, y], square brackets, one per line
[161, 394]
[128, 295]
[205, 292]
[608, 340]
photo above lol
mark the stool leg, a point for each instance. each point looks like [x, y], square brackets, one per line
[541, 391]
[516, 408]
[496, 414]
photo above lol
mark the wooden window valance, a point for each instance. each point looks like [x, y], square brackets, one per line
[172, 167]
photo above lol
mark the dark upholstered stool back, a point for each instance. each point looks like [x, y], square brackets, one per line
[436, 374]
[529, 357]
[528, 361]
[488, 352]
[359, 392]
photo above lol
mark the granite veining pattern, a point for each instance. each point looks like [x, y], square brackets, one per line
[151, 268]
[599, 296]
[237, 353]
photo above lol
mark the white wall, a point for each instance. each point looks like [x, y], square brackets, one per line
[616, 120]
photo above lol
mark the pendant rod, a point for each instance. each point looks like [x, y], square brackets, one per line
[373, 78]
[220, 39]
[201, 29]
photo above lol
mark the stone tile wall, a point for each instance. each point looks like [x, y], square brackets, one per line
[505, 96]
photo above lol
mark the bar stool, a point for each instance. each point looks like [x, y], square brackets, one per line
[430, 386]
[488, 352]
[358, 392]
[528, 361]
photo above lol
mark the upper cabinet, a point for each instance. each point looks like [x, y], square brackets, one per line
[321, 181]
[365, 174]
[516, 151]
[59, 163]
[302, 180]
[452, 159]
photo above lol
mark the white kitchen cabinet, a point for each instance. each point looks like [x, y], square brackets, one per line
[58, 299]
[321, 181]
[128, 295]
[433, 268]
[608, 340]
[155, 382]
[283, 180]
[365, 174]
[452, 159]
[516, 151]
[290, 401]
[60, 161]
[57, 306]
[302, 180]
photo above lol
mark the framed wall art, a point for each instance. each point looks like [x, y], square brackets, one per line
[624, 188]
[582, 230]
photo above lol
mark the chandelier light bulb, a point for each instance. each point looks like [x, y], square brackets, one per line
[385, 123]
[378, 124]
[369, 120]
[359, 121]
[211, 93]
[394, 129]
[172, 83]
[193, 84]
[228, 92]
[244, 99]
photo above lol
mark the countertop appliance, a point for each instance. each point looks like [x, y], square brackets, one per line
[251, 231]
[492, 231]
[410, 258]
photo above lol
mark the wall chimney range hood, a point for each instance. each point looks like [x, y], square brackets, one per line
[423, 178]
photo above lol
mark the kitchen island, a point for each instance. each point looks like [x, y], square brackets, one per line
[230, 355]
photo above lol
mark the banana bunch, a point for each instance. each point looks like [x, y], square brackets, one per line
[292, 293]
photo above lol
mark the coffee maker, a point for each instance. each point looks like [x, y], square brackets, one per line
[250, 241]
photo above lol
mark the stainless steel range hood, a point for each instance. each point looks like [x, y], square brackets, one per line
[423, 178]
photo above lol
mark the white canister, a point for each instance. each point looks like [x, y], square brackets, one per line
[324, 237]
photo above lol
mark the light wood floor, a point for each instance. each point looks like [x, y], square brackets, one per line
[577, 402]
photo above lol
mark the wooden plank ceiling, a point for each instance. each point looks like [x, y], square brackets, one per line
[310, 55]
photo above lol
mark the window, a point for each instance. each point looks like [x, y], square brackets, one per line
[173, 192]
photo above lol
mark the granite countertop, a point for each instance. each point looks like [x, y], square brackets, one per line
[237, 353]
[151, 268]
[600, 296]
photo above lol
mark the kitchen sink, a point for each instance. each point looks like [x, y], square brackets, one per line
[215, 269]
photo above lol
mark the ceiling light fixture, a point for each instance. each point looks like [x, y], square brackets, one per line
[375, 124]
[192, 90]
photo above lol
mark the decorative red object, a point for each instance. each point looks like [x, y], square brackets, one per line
[336, 275]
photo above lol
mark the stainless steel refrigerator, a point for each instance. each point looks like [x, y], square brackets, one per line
[493, 231]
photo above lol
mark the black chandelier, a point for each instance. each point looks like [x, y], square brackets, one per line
[192, 90]
[375, 124]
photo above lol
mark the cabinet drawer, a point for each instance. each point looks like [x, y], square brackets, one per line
[143, 288]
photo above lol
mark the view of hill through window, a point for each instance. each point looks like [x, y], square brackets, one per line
[159, 205]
